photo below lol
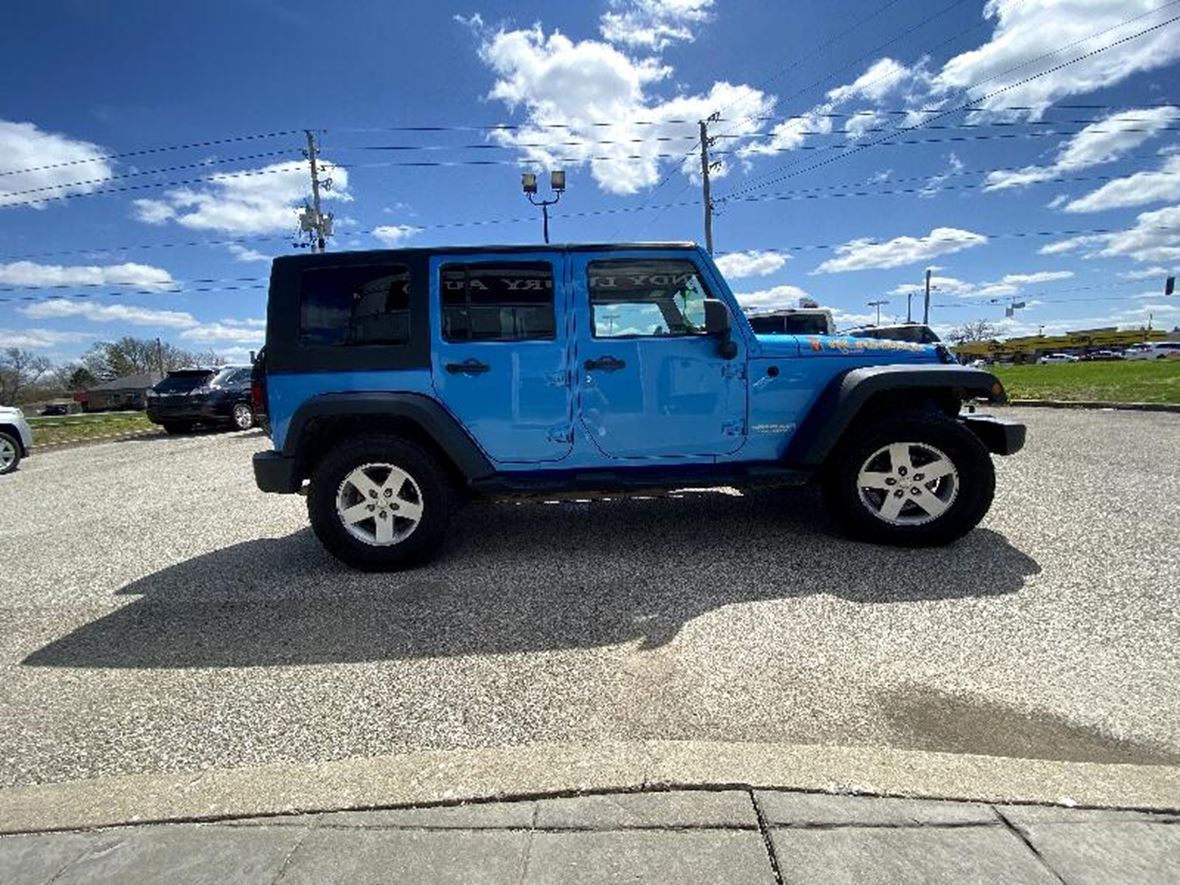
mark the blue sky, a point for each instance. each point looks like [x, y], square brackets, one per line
[1014, 118]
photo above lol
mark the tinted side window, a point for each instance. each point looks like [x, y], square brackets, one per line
[646, 297]
[355, 305]
[504, 301]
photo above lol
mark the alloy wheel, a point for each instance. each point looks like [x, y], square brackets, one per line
[908, 483]
[379, 504]
[8, 453]
[243, 417]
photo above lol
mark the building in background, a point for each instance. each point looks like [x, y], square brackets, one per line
[126, 393]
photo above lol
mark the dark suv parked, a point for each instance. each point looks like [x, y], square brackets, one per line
[202, 396]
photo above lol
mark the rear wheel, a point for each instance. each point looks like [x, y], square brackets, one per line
[913, 480]
[9, 453]
[242, 416]
[379, 503]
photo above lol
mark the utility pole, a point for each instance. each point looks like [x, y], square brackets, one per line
[926, 309]
[877, 304]
[908, 298]
[313, 221]
[706, 167]
[160, 357]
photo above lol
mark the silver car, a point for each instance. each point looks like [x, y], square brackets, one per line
[16, 438]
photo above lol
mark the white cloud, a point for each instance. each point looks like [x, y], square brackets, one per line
[1027, 31]
[881, 78]
[33, 275]
[751, 263]
[933, 184]
[38, 339]
[249, 323]
[863, 254]
[1099, 142]
[1154, 238]
[252, 201]
[243, 253]
[653, 24]
[394, 234]
[777, 296]
[1157, 186]
[1070, 244]
[1040, 276]
[1146, 274]
[945, 285]
[846, 320]
[58, 165]
[566, 87]
[108, 313]
[231, 332]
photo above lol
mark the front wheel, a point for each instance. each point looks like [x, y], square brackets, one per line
[9, 453]
[379, 503]
[913, 480]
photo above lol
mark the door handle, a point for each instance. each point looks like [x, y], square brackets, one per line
[605, 364]
[467, 367]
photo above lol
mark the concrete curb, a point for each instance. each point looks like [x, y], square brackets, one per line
[453, 776]
[1095, 404]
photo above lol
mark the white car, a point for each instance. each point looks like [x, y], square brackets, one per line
[16, 438]
[1049, 358]
[1158, 350]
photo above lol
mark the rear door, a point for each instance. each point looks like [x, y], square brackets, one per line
[500, 351]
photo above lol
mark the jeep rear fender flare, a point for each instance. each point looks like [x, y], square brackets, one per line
[421, 411]
[848, 394]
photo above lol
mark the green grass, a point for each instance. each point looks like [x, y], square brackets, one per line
[1138, 381]
[60, 428]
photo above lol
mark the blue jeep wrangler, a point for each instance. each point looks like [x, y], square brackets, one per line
[396, 383]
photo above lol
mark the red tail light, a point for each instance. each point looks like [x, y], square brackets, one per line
[257, 396]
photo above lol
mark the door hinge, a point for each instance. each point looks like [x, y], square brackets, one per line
[736, 427]
[561, 434]
[733, 370]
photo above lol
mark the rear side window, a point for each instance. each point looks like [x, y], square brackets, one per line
[184, 381]
[501, 301]
[654, 297]
[357, 305]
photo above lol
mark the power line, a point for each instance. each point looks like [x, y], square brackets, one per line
[43, 300]
[170, 286]
[969, 105]
[153, 150]
[201, 165]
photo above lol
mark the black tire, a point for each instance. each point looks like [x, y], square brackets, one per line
[176, 427]
[975, 480]
[241, 417]
[433, 487]
[12, 445]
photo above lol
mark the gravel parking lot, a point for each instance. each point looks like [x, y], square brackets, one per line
[158, 613]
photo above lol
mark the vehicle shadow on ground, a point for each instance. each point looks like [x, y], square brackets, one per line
[523, 578]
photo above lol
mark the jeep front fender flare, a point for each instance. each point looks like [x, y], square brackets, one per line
[848, 394]
[422, 411]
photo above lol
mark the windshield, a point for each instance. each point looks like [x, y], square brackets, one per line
[184, 381]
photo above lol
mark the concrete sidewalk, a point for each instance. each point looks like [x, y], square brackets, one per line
[680, 836]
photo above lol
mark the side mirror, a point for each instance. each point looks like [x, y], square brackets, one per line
[719, 324]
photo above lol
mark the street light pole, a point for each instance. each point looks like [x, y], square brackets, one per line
[877, 304]
[528, 183]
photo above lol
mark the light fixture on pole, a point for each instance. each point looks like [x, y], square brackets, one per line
[877, 304]
[528, 184]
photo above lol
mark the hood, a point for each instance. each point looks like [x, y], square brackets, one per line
[847, 346]
[11, 410]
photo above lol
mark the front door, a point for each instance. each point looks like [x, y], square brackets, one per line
[652, 382]
[499, 354]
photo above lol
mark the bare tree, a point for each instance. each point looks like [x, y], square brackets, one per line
[19, 370]
[108, 360]
[977, 330]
